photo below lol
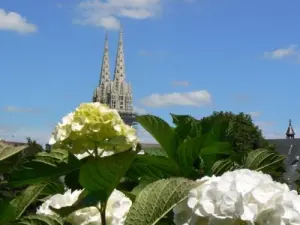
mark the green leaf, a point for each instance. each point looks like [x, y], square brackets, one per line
[46, 167]
[102, 175]
[18, 205]
[7, 151]
[152, 168]
[157, 199]
[72, 180]
[155, 152]
[162, 132]
[264, 160]
[188, 152]
[222, 166]
[36, 219]
[217, 148]
[53, 188]
[186, 126]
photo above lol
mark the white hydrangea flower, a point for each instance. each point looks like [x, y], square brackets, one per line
[58, 201]
[241, 195]
[117, 208]
[93, 125]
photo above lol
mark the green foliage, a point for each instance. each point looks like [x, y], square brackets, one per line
[157, 199]
[102, 175]
[162, 132]
[15, 208]
[155, 180]
[187, 127]
[45, 167]
[152, 168]
[264, 160]
[221, 166]
[155, 152]
[237, 129]
[40, 220]
[7, 151]
[188, 152]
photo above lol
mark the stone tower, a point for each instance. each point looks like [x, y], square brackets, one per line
[116, 93]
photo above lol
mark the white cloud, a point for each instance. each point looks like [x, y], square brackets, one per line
[194, 98]
[264, 124]
[180, 83]
[254, 114]
[139, 110]
[18, 109]
[106, 13]
[12, 21]
[281, 53]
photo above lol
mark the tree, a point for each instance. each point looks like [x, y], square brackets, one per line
[237, 129]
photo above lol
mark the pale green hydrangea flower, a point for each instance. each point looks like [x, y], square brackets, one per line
[93, 125]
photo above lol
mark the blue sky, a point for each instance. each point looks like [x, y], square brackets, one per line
[243, 54]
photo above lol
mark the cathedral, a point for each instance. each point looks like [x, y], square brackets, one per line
[116, 92]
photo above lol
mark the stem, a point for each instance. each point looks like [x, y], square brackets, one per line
[96, 151]
[102, 213]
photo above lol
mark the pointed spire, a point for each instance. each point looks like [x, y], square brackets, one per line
[105, 70]
[290, 131]
[119, 73]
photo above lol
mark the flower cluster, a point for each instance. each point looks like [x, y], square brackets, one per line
[117, 208]
[239, 197]
[93, 125]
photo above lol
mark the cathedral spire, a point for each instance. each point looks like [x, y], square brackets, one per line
[119, 73]
[105, 70]
[290, 131]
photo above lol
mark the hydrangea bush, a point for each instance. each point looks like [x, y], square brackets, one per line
[97, 173]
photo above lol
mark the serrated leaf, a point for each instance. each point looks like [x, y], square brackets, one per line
[188, 152]
[102, 175]
[36, 219]
[264, 160]
[152, 168]
[7, 151]
[163, 133]
[155, 152]
[72, 180]
[222, 166]
[18, 205]
[186, 126]
[217, 148]
[157, 199]
[46, 167]
[53, 188]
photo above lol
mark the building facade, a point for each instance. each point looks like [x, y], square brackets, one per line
[116, 92]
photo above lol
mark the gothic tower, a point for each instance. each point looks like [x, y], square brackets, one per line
[116, 93]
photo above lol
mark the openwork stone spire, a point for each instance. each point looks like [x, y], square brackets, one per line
[105, 70]
[290, 134]
[119, 73]
[116, 93]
